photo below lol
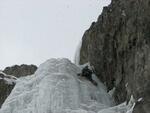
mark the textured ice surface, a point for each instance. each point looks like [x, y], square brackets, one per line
[56, 88]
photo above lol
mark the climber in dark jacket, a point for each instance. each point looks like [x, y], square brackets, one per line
[87, 73]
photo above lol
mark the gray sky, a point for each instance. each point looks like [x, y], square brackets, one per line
[32, 31]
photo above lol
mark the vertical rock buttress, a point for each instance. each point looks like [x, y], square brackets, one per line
[118, 46]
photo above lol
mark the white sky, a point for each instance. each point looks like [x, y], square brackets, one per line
[32, 31]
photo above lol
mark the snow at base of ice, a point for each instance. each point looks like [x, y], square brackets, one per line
[56, 88]
[122, 108]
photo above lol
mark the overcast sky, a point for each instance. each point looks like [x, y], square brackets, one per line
[32, 31]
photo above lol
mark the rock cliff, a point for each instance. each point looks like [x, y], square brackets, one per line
[7, 83]
[118, 46]
[19, 71]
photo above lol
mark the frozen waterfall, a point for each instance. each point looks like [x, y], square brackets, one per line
[56, 88]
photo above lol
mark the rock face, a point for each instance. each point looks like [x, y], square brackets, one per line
[118, 46]
[5, 90]
[21, 70]
[6, 85]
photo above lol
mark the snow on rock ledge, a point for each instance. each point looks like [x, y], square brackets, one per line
[55, 88]
[9, 79]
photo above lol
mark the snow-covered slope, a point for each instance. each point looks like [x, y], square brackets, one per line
[56, 88]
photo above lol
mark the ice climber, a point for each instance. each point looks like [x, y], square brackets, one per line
[87, 73]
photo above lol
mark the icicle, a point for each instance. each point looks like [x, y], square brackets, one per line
[77, 54]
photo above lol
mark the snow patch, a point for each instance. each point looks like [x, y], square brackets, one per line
[140, 99]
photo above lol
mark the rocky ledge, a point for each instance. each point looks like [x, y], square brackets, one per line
[20, 71]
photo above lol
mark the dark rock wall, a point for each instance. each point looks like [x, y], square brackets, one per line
[118, 46]
[20, 71]
[5, 90]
